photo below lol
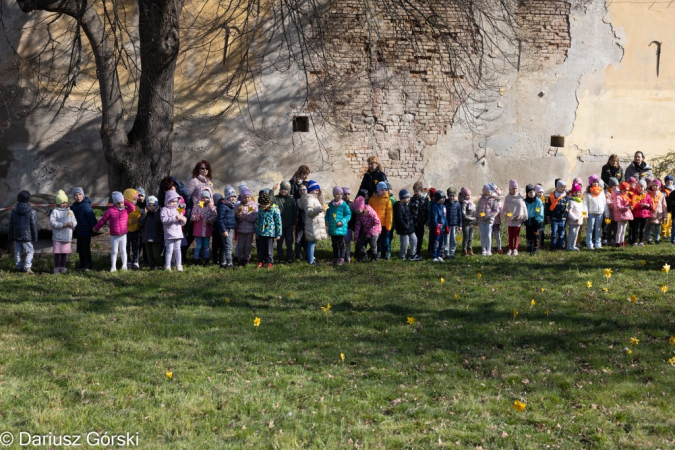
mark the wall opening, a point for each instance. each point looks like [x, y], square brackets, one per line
[300, 124]
[557, 141]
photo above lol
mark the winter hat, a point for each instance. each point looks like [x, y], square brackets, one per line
[632, 180]
[285, 185]
[613, 182]
[229, 192]
[244, 191]
[513, 184]
[432, 192]
[359, 203]
[490, 187]
[592, 179]
[576, 187]
[170, 196]
[669, 178]
[77, 190]
[451, 191]
[217, 197]
[152, 200]
[381, 186]
[656, 183]
[389, 186]
[141, 191]
[465, 191]
[118, 197]
[263, 198]
[560, 183]
[403, 194]
[206, 193]
[61, 197]
[624, 186]
[439, 195]
[374, 159]
[346, 190]
[577, 180]
[649, 179]
[538, 189]
[529, 188]
[643, 183]
[337, 190]
[23, 196]
[313, 186]
[601, 184]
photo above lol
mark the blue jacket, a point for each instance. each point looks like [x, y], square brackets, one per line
[437, 215]
[23, 224]
[532, 213]
[560, 210]
[84, 214]
[226, 217]
[454, 213]
[337, 214]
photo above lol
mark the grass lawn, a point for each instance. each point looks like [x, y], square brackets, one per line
[90, 352]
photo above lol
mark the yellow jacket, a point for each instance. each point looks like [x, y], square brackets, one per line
[134, 222]
[383, 209]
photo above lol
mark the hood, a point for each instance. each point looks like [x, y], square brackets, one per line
[170, 196]
[23, 208]
[131, 195]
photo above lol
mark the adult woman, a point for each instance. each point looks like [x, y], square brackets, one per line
[370, 179]
[171, 184]
[201, 179]
[315, 218]
[639, 168]
[612, 170]
[300, 179]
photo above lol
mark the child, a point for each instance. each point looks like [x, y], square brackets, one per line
[405, 226]
[367, 230]
[134, 230]
[227, 222]
[453, 209]
[668, 187]
[203, 217]
[23, 231]
[267, 229]
[217, 241]
[337, 218]
[390, 236]
[346, 193]
[141, 204]
[382, 206]
[118, 215]
[556, 212]
[247, 216]
[62, 220]
[514, 213]
[539, 193]
[300, 225]
[642, 207]
[658, 215]
[172, 222]
[535, 219]
[468, 220]
[419, 211]
[622, 213]
[488, 207]
[289, 216]
[152, 236]
[315, 226]
[432, 227]
[86, 220]
[497, 225]
[609, 224]
[595, 202]
[575, 217]
[439, 222]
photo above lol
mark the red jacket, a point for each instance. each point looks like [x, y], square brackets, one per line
[118, 219]
[643, 208]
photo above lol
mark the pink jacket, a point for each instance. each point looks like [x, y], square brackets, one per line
[118, 219]
[643, 209]
[659, 213]
[621, 209]
[247, 216]
[367, 222]
[195, 187]
[488, 206]
[203, 219]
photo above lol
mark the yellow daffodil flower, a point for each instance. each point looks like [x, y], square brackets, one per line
[256, 322]
[608, 221]
[546, 312]
[411, 320]
[643, 262]
[532, 302]
[628, 351]
[457, 296]
[608, 273]
[664, 288]
[666, 268]
[479, 275]
[509, 214]
[633, 298]
[326, 308]
[671, 341]
[520, 406]
[536, 210]
[589, 284]
[672, 361]
[482, 214]
[342, 357]
[227, 300]
[169, 374]
[542, 289]
[515, 313]
[634, 341]
[606, 289]
[442, 280]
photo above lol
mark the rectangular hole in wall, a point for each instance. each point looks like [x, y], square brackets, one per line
[300, 124]
[557, 141]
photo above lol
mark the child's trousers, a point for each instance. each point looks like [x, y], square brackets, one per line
[593, 235]
[19, 249]
[265, 247]
[338, 247]
[486, 236]
[532, 236]
[286, 238]
[133, 246]
[383, 242]
[172, 249]
[419, 233]
[409, 240]
[637, 230]
[514, 238]
[84, 250]
[653, 230]
[60, 260]
[497, 235]
[572, 236]
[244, 245]
[438, 245]
[620, 236]
[118, 244]
[364, 240]
[202, 243]
[348, 244]
[154, 252]
[226, 254]
[467, 237]
[557, 234]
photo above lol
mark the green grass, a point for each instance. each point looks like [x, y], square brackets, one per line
[89, 352]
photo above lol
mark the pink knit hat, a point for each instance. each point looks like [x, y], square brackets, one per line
[513, 184]
[593, 178]
[465, 191]
[359, 204]
[577, 180]
[576, 187]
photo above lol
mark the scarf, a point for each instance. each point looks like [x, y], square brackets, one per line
[576, 199]
[595, 191]
[336, 203]
[530, 200]
[637, 198]
[640, 167]
[205, 180]
[554, 200]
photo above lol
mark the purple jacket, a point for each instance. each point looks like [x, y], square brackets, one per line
[247, 216]
[172, 221]
[367, 222]
[118, 219]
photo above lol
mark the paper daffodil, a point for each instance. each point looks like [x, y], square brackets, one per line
[256, 322]
[169, 374]
[671, 341]
[482, 214]
[608, 221]
[665, 268]
[411, 320]
[537, 209]
[633, 298]
[520, 406]
[608, 273]
[509, 214]
[342, 356]
[532, 302]
[664, 288]
[326, 308]
[672, 361]
[442, 280]
[589, 284]
[634, 341]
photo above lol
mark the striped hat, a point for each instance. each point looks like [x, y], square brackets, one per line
[313, 186]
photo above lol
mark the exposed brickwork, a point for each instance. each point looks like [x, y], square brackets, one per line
[391, 93]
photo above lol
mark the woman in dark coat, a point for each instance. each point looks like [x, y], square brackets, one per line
[370, 179]
[612, 170]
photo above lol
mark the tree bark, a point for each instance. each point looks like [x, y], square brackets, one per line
[143, 156]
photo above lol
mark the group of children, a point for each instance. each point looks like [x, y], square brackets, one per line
[642, 207]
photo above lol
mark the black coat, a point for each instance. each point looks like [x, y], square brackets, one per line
[403, 219]
[370, 180]
[611, 171]
[419, 209]
[153, 231]
[23, 224]
[84, 214]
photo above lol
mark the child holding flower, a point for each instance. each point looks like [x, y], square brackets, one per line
[659, 214]
[535, 218]
[468, 220]
[488, 208]
[62, 221]
[367, 230]
[622, 213]
[247, 216]
[642, 207]
[514, 213]
[575, 217]
[337, 219]
[118, 215]
[595, 202]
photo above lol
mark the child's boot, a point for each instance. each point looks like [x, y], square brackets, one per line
[470, 252]
[56, 271]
